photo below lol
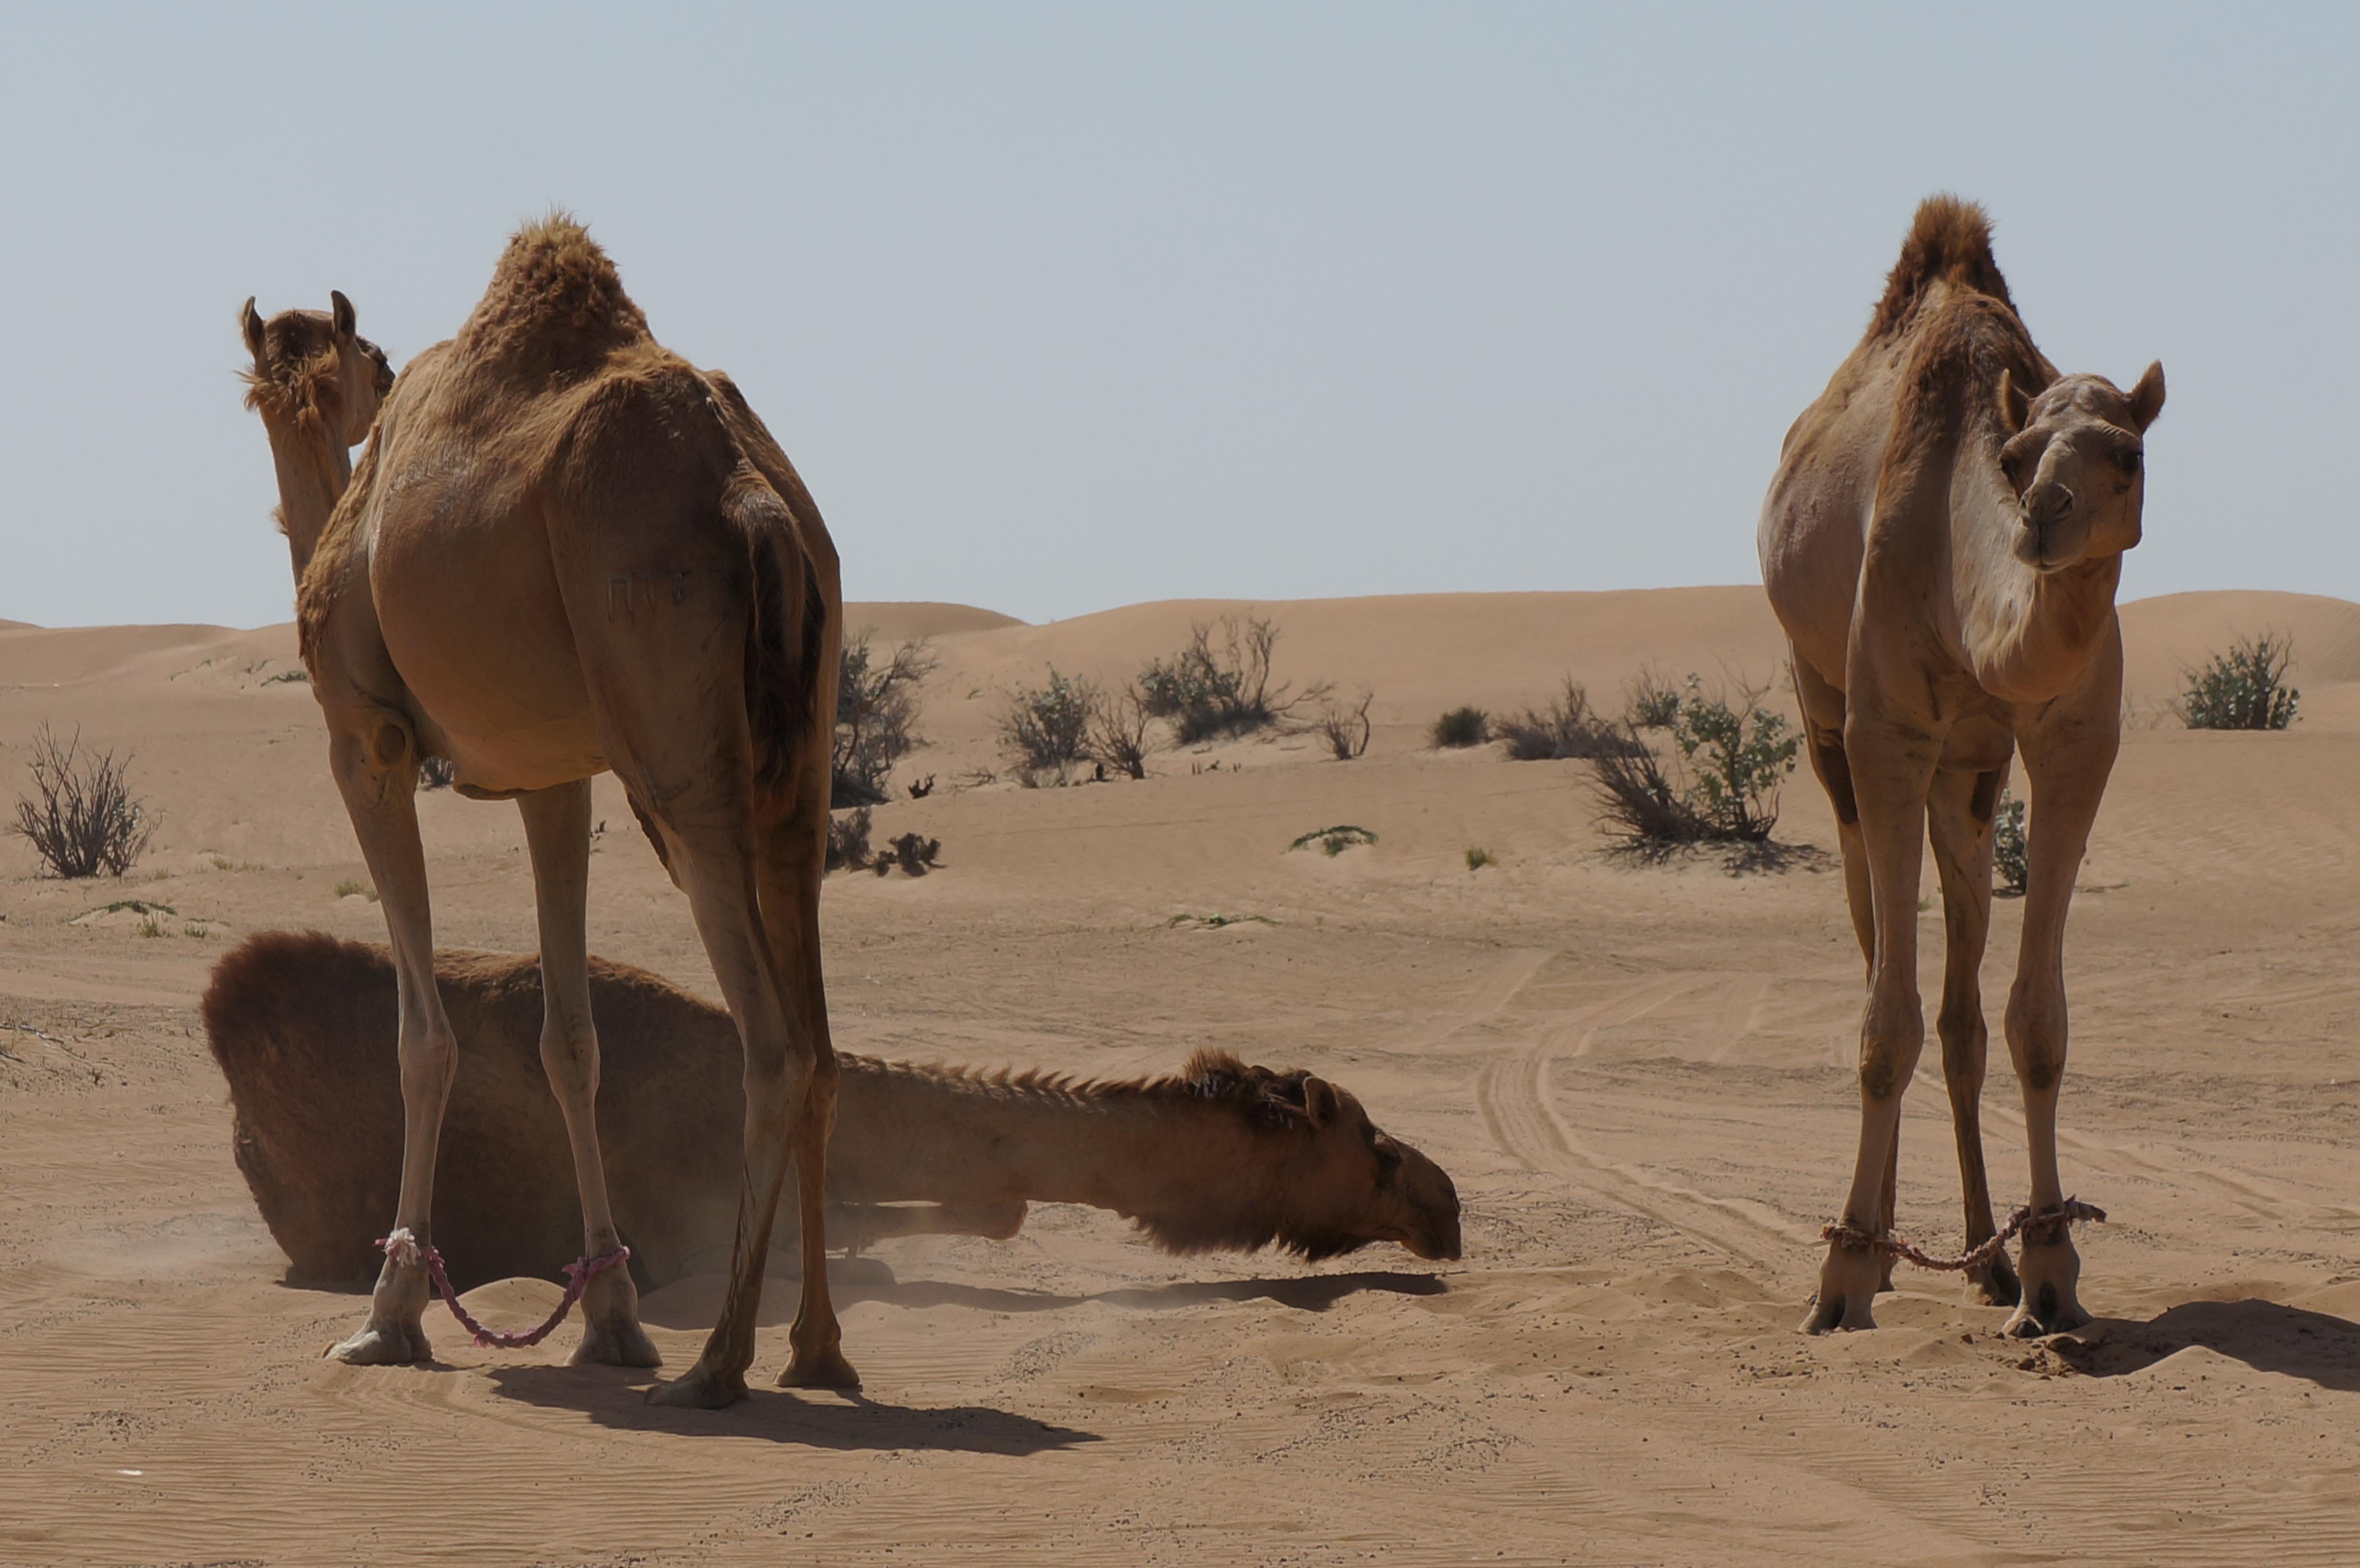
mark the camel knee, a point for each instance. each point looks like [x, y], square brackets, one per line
[569, 1054]
[429, 1060]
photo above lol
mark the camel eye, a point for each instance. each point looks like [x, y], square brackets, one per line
[2129, 460]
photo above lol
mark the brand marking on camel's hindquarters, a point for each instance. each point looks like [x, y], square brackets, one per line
[627, 592]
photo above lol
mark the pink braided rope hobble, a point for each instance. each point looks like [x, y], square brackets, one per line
[406, 1249]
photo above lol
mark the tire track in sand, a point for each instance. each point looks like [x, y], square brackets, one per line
[1517, 1100]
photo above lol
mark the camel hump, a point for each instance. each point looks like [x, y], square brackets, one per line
[555, 293]
[1949, 242]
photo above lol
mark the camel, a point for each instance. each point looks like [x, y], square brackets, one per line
[567, 550]
[1220, 1157]
[1942, 543]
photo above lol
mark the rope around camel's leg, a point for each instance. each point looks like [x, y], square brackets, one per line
[2023, 1221]
[406, 1248]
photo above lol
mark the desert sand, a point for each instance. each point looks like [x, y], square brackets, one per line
[1638, 1076]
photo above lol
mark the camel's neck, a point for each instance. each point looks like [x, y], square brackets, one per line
[1144, 1157]
[312, 474]
[2030, 635]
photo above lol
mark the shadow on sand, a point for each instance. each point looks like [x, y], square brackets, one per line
[617, 1398]
[695, 1304]
[2267, 1336]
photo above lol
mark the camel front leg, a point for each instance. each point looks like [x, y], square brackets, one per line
[1891, 767]
[1958, 810]
[557, 830]
[375, 762]
[2067, 774]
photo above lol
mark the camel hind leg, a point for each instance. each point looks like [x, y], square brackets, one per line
[557, 831]
[1959, 815]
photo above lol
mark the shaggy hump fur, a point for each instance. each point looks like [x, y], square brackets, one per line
[553, 288]
[1949, 242]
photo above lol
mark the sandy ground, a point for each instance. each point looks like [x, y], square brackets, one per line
[1637, 1076]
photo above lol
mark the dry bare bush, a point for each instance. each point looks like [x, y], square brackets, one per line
[1650, 701]
[1205, 690]
[1346, 730]
[81, 817]
[875, 717]
[914, 854]
[847, 841]
[1567, 727]
[1046, 728]
[1117, 732]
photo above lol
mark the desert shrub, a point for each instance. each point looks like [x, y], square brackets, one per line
[914, 854]
[2008, 844]
[81, 817]
[437, 772]
[1461, 727]
[1566, 727]
[1205, 690]
[848, 840]
[1335, 841]
[1346, 730]
[876, 713]
[1117, 732]
[1046, 728]
[2244, 689]
[1729, 759]
[1650, 703]
[1478, 857]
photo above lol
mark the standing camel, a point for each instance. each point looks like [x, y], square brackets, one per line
[1942, 543]
[567, 550]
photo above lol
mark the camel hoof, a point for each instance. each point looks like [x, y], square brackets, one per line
[1994, 1284]
[701, 1388]
[382, 1344]
[2050, 1304]
[623, 1343]
[1849, 1281]
[825, 1370]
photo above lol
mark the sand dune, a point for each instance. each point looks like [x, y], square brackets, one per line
[1638, 1077]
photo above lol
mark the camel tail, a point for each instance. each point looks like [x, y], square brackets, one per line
[308, 1131]
[1949, 242]
[786, 635]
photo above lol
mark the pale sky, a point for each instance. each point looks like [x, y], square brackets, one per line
[1058, 309]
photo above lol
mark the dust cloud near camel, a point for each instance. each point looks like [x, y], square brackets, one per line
[1942, 543]
[1220, 1157]
[567, 551]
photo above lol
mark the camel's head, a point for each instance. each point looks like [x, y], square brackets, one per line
[1324, 1180]
[2075, 461]
[312, 370]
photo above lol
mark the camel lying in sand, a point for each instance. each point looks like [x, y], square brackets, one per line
[1221, 1156]
[1942, 543]
[567, 551]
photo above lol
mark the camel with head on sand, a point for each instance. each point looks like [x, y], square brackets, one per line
[1942, 543]
[1219, 1157]
[567, 550]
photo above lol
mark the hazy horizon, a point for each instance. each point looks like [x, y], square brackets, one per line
[1059, 310]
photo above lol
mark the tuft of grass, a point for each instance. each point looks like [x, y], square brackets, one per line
[1335, 841]
[288, 678]
[2244, 689]
[1478, 857]
[1460, 728]
[347, 888]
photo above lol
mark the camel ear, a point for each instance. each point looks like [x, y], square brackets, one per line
[341, 309]
[1318, 1101]
[2015, 406]
[2147, 398]
[249, 321]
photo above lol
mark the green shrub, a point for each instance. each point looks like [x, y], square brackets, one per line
[1460, 728]
[2244, 689]
[1047, 728]
[1729, 757]
[2008, 844]
[1650, 703]
[1478, 857]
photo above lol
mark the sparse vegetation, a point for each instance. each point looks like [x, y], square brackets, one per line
[1650, 701]
[1346, 730]
[288, 678]
[2008, 847]
[1566, 728]
[848, 840]
[1205, 690]
[1335, 841]
[913, 854]
[1478, 857]
[1216, 922]
[81, 817]
[436, 772]
[1460, 728]
[348, 888]
[1046, 728]
[875, 717]
[1731, 756]
[1117, 732]
[2244, 689]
